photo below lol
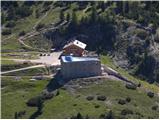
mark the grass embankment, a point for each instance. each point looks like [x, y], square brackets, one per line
[108, 61]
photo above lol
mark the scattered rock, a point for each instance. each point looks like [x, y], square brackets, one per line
[101, 97]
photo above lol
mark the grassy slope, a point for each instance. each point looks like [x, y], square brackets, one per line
[113, 90]
[16, 93]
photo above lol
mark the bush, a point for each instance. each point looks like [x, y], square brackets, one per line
[155, 107]
[128, 99]
[141, 33]
[126, 111]
[23, 11]
[22, 33]
[19, 114]
[150, 94]
[57, 93]
[139, 85]
[6, 32]
[35, 101]
[10, 24]
[131, 86]
[78, 116]
[122, 102]
[39, 26]
[108, 115]
[97, 106]
[47, 95]
[90, 98]
[101, 98]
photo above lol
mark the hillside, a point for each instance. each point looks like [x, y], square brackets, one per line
[124, 34]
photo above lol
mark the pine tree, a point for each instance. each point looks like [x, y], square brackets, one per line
[93, 15]
[68, 17]
[61, 16]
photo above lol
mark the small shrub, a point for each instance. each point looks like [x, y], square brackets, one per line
[155, 107]
[150, 94]
[90, 98]
[78, 116]
[131, 86]
[108, 115]
[102, 116]
[57, 93]
[101, 98]
[39, 26]
[22, 33]
[74, 104]
[122, 102]
[6, 32]
[128, 99]
[139, 85]
[21, 113]
[47, 95]
[126, 111]
[141, 33]
[10, 24]
[87, 117]
[16, 115]
[97, 106]
[35, 101]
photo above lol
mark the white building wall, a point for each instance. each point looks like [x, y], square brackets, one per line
[80, 69]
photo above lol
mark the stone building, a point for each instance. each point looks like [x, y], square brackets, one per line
[77, 67]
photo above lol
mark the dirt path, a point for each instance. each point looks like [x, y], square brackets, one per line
[50, 60]
[26, 68]
[40, 20]
[34, 33]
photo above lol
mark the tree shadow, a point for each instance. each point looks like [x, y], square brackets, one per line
[39, 110]
[36, 114]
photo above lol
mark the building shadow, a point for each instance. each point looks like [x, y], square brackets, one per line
[57, 82]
